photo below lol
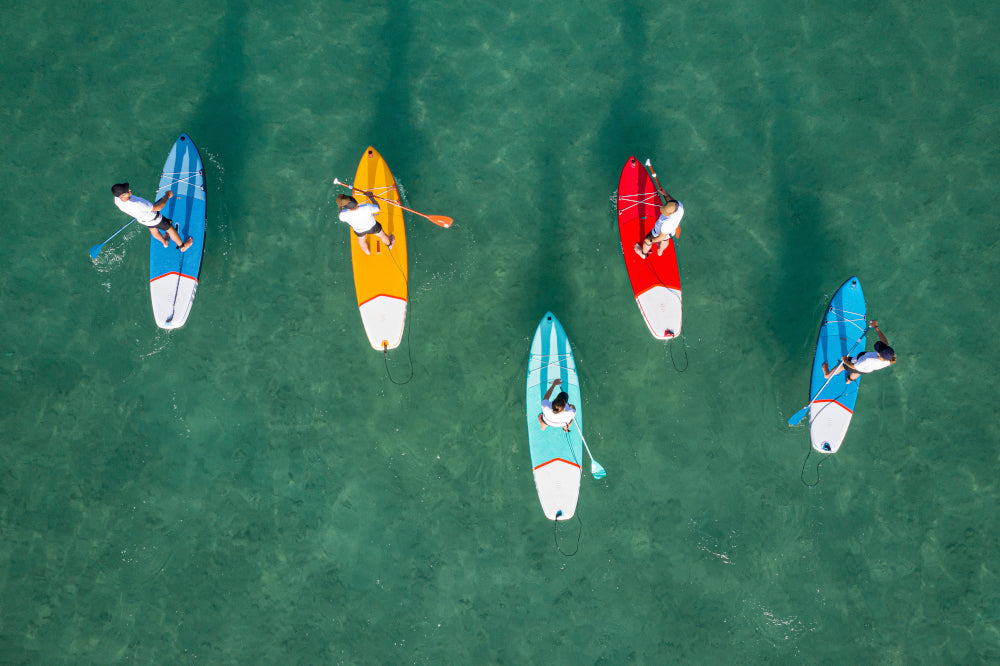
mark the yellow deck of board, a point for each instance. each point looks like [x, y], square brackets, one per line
[384, 272]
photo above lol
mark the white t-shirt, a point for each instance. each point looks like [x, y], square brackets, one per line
[869, 362]
[668, 223]
[140, 209]
[361, 218]
[565, 417]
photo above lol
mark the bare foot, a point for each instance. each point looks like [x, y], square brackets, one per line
[662, 248]
[166, 243]
[638, 251]
[188, 243]
[392, 241]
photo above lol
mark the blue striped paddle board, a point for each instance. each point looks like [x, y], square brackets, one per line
[556, 455]
[173, 275]
[841, 334]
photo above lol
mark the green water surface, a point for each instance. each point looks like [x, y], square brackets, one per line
[254, 489]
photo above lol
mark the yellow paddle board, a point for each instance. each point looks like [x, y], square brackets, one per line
[380, 278]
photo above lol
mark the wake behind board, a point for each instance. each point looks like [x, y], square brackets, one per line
[841, 334]
[173, 275]
[655, 280]
[380, 279]
[555, 454]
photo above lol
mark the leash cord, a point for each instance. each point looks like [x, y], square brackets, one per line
[555, 534]
[802, 475]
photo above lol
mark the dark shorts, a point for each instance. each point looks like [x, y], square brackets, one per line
[374, 230]
[164, 224]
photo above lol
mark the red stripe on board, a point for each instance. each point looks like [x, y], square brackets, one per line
[557, 460]
[816, 402]
[172, 273]
[380, 295]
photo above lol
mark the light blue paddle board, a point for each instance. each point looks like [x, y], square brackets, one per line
[556, 455]
[841, 334]
[173, 275]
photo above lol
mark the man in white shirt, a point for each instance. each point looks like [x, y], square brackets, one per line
[866, 362]
[667, 226]
[148, 215]
[556, 413]
[362, 220]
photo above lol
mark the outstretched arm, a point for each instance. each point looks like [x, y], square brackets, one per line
[548, 394]
[881, 336]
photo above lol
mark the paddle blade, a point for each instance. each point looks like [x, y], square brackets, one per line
[440, 220]
[96, 250]
[798, 416]
[596, 470]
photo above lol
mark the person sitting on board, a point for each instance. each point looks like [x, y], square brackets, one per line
[556, 413]
[148, 215]
[667, 226]
[362, 220]
[862, 364]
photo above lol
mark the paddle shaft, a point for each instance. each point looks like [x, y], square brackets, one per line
[599, 472]
[802, 412]
[96, 250]
[652, 172]
[439, 220]
[127, 225]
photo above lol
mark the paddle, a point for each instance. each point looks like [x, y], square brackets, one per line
[440, 220]
[659, 188]
[96, 250]
[596, 470]
[649, 165]
[799, 415]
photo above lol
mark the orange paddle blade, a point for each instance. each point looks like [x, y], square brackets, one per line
[440, 220]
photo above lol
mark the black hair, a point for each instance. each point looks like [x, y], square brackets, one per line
[884, 351]
[119, 189]
[560, 401]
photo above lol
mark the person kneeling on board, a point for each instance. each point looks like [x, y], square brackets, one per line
[148, 215]
[867, 362]
[667, 226]
[362, 220]
[556, 413]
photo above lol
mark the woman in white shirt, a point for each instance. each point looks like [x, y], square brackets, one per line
[556, 413]
[362, 220]
[667, 226]
[866, 362]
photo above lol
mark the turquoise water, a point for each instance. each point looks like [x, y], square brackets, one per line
[253, 488]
